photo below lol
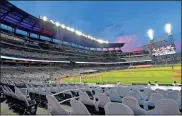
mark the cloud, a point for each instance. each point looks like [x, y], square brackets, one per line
[131, 42]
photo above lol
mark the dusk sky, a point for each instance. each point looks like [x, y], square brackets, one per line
[113, 21]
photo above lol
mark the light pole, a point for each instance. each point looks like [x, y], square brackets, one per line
[168, 30]
[150, 34]
[57, 28]
[44, 18]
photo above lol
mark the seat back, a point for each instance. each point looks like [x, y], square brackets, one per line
[8, 91]
[167, 106]
[154, 97]
[114, 96]
[78, 108]
[172, 95]
[29, 88]
[54, 107]
[11, 92]
[41, 90]
[4, 90]
[131, 102]
[85, 99]
[34, 89]
[145, 94]
[134, 94]
[47, 90]
[113, 108]
[103, 100]
[134, 105]
[20, 95]
[179, 100]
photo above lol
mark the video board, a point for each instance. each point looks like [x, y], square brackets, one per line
[164, 50]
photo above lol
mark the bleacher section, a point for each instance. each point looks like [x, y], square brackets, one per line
[86, 99]
[33, 51]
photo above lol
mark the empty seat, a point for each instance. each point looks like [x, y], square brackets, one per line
[78, 108]
[102, 101]
[172, 95]
[113, 108]
[114, 96]
[29, 88]
[179, 100]
[20, 96]
[135, 94]
[145, 94]
[134, 105]
[90, 104]
[165, 107]
[154, 97]
[98, 91]
[10, 92]
[54, 107]
[165, 93]
[123, 91]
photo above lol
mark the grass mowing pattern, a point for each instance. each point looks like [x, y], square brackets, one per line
[163, 75]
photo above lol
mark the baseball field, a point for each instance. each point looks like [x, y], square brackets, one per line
[163, 75]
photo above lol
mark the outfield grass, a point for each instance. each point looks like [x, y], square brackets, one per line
[163, 75]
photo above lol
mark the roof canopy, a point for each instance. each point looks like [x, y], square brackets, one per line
[19, 19]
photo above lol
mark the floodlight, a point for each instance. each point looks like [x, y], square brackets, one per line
[84, 35]
[100, 41]
[106, 42]
[72, 30]
[57, 24]
[44, 18]
[52, 21]
[63, 26]
[150, 34]
[168, 29]
[68, 28]
[78, 32]
[89, 36]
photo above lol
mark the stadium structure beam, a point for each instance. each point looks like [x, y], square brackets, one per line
[22, 19]
[5, 14]
[33, 25]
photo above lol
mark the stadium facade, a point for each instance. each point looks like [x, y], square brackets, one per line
[25, 38]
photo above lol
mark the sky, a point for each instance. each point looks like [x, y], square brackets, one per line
[113, 21]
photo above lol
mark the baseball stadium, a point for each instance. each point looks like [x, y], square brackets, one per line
[49, 68]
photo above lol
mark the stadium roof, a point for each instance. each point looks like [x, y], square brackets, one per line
[19, 19]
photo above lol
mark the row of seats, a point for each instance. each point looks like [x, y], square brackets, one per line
[141, 58]
[22, 73]
[94, 99]
[17, 101]
[103, 105]
[27, 54]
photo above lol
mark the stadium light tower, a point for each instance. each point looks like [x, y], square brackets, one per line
[78, 33]
[150, 34]
[63, 26]
[57, 24]
[44, 18]
[168, 30]
[72, 30]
